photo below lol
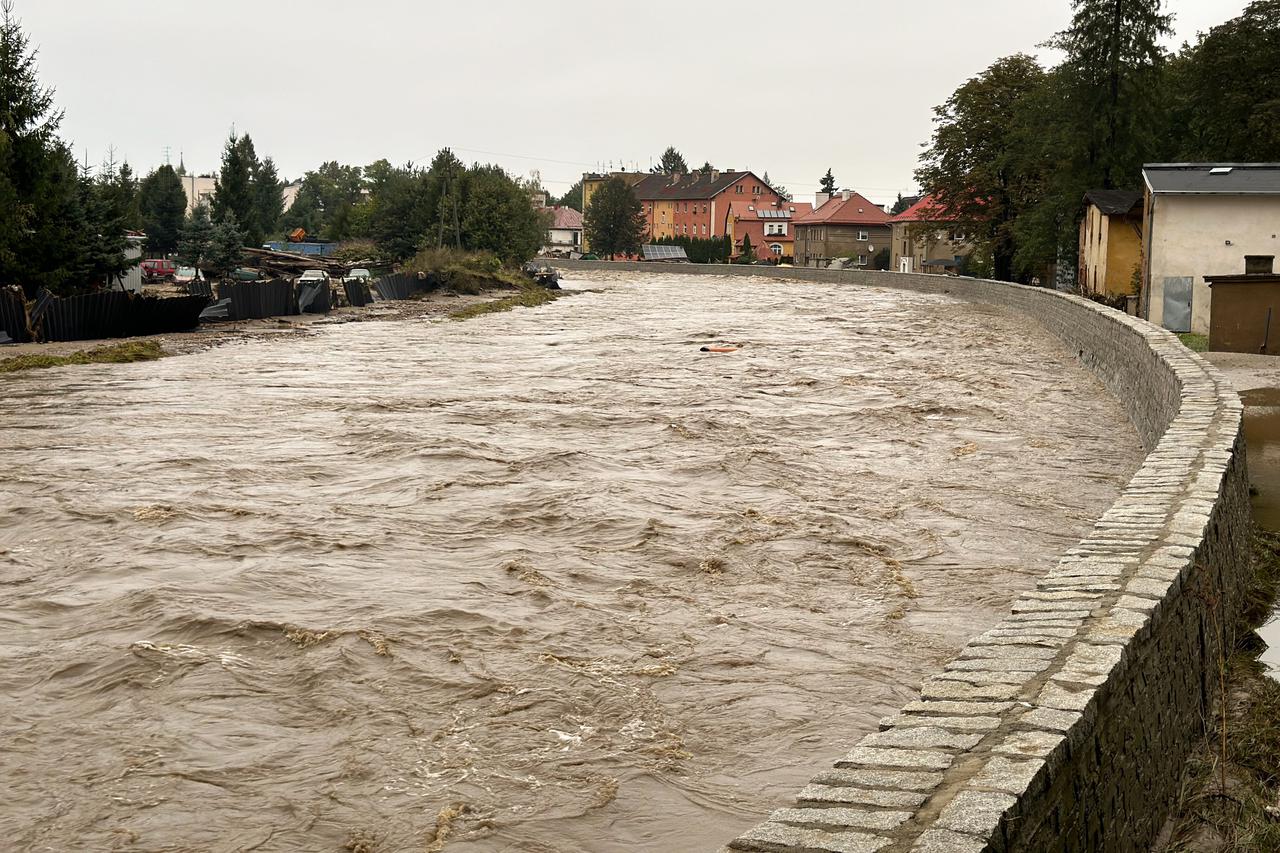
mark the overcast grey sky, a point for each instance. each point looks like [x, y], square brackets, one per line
[784, 86]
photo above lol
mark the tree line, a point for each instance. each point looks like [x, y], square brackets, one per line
[1015, 149]
[63, 224]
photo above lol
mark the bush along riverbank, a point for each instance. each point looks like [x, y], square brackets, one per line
[1230, 798]
[471, 273]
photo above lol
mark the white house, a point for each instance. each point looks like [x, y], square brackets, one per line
[565, 234]
[1202, 219]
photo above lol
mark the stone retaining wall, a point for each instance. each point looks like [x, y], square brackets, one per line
[1066, 726]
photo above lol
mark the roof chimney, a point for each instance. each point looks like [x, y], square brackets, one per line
[819, 199]
[844, 195]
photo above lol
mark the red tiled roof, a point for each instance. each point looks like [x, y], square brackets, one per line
[856, 210]
[566, 218]
[925, 210]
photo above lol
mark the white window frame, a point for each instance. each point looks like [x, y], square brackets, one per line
[864, 236]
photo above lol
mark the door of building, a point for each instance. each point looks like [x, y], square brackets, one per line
[1177, 303]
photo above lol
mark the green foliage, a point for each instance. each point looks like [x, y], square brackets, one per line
[671, 163]
[47, 238]
[195, 241]
[1015, 149]
[325, 201]
[748, 253]
[163, 205]
[614, 222]
[881, 260]
[106, 203]
[902, 204]
[702, 250]
[497, 216]
[977, 166]
[1226, 91]
[529, 296]
[461, 271]
[129, 351]
[828, 182]
[572, 198]
[268, 202]
[235, 196]
[226, 246]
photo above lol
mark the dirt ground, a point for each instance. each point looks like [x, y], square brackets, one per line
[210, 335]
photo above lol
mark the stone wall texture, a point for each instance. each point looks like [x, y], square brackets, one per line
[1066, 726]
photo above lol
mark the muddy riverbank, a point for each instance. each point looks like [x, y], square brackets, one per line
[549, 580]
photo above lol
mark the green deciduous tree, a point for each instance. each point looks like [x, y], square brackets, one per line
[163, 205]
[572, 198]
[614, 221]
[499, 218]
[1225, 98]
[976, 166]
[671, 163]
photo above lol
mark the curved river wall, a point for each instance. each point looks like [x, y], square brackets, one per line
[1065, 727]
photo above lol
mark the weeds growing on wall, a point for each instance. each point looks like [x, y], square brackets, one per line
[1229, 797]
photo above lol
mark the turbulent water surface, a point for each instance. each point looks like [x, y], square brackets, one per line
[551, 580]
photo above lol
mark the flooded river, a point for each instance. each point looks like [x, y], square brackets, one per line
[550, 580]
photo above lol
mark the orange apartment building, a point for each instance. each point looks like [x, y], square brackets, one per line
[693, 205]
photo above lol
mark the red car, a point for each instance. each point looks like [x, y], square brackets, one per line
[158, 270]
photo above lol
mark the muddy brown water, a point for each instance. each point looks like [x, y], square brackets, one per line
[550, 580]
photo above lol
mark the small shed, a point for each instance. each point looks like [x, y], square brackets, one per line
[1246, 309]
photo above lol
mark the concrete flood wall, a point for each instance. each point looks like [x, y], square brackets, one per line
[1066, 726]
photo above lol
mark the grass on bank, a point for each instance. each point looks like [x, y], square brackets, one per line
[528, 296]
[1194, 342]
[114, 354]
[1229, 797]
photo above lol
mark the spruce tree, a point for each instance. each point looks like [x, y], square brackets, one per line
[268, 202]
[195, 244]
[233, 193]
[226, 245]
[828, 182]
[163, 203]
[671, 163]
[42, 241]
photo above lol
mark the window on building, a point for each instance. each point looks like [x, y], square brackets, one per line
[704, 230]
[863, 236]
[739, 189]
[776, 248]
[862, 260]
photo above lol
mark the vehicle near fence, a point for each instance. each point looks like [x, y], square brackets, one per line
[157, 270]
[313, 277]
[186, 275]
[359, 274]
[245, 274]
